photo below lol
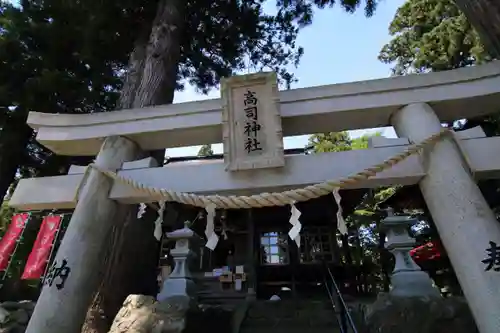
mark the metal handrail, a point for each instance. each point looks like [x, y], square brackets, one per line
[344, 318]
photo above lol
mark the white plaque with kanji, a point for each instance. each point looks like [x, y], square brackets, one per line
[251, 122]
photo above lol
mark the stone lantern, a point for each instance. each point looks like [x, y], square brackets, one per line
[180, 284]
[407, 279]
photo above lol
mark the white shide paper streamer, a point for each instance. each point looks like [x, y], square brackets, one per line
[340, 218]
[141, 211]
[159, 221]
[212, 238]
[224, 229]
[294, 232]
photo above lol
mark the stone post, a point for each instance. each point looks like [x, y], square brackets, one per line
[462, 216]
[74, 275]
[407, 279]
[180, 285]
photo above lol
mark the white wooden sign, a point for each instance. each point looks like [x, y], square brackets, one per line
[251, 122]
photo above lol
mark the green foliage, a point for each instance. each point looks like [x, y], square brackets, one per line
[366, 212]
[431, 35]
[305, 7]
[205, 150]
[5, 217]
[369, 207]
[329, 142]
[46, 65]
[219, 37]
[337, 141]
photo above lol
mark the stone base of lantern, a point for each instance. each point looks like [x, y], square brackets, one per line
[179, 289]
[413, 284]
[395, 314]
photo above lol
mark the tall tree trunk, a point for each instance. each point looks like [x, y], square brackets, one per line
[14, 137]
[484, 15]
[132, 256]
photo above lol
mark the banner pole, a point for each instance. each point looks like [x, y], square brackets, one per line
[11, 257]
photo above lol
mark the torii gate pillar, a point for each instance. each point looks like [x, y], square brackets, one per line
[62, 308]
[465, 222]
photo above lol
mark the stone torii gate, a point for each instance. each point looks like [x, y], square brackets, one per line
[415, 105]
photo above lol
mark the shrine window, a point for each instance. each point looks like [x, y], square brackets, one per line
[274, 248]
[317, 245]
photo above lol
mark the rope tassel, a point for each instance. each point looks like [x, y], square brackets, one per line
[294, 233]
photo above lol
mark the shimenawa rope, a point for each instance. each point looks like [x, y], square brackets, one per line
[269, 199]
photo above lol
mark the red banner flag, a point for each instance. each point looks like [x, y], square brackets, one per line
[9, 240]
[37, 260]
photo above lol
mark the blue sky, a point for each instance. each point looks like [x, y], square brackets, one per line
[339, 47]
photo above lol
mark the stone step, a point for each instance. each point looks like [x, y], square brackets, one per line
[333, 329]
[318, 323]
[290, 308]
[226, 298]
[211, 294]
